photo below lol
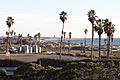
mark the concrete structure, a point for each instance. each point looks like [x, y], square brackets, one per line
[30, 49]
[25, 48]
[35, 48]
[39, 50]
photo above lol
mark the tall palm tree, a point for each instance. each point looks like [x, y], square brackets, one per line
[99, 30]
[9, 22]
[29, 41]
[11, 39]
[12, 32]
[14, 35]
[64, 35]
[112, 43]
[39, 36]
[85, 39]
[69, 41]
[20, 41]
[92, 18]
[105, 45]
[7, 42]
[109, 30]
[35, 37]
[64, 40]
[62, 18]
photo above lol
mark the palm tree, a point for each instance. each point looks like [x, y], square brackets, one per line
[64, 39]
[85, 39]
[39, 36]
[12, 32]
[112, 43]
[11, 39]
[109, 30]
[7, 42]
[69, 41]
[20, 41]
[105, 45]
[9, 22]
[29, 40]
[92, 18]
[14, 35]
[35, 37]
[99, 30]
[62, 18]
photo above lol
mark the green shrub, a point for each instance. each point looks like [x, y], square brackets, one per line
[53, 62]
[28, 69]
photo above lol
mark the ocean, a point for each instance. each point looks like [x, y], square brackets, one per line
[116, 41]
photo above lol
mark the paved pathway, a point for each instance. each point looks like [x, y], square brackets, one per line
[35, 57]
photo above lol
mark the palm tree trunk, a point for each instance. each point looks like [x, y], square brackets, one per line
[69, 46]
[29, 45]
[8, 46]
[64, 44]
[85, 45]
[108, 50]
[99, 46]
[111, 45]
[92, 41]
[39, 42]
[60, 47]
[105, 46]
[61, 42]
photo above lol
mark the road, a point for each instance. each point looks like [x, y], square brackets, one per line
[35, 57]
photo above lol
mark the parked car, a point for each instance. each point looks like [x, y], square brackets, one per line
[13, 50]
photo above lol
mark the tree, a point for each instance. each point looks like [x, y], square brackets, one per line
[20, 41]
[64, 39]
[35, 38]
[30, 42]
[7, 42]
[92, 19]
[62, 18]
[39, 36]
[69, 41]
[105, 45]
[85, 39]
[99, 30]
[109, 30]
[14, 34]
[9, 22]
[11, 39]
[112, 43]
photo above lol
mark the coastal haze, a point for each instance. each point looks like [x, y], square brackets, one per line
[43, 16]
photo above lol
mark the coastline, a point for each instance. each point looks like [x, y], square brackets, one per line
[116, 41]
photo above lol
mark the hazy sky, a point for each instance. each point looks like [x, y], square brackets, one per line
[33, 16]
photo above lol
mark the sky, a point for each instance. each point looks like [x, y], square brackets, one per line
[34, 16]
